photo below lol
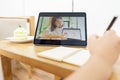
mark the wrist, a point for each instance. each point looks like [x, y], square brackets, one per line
[102, 60]
[103, 65]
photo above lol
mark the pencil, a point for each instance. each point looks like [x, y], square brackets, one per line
[111, 23]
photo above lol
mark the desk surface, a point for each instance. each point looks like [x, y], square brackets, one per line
[27, 53]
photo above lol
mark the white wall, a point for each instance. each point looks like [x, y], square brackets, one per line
[99, 13]
[12, 7]
[33, 7]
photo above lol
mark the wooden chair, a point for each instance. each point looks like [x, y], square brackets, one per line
[31, 21]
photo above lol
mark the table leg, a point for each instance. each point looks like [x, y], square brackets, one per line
[57, 78]
[6, 66]
[29, 70]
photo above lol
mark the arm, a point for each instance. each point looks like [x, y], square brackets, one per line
[104, 52]
[94, 69]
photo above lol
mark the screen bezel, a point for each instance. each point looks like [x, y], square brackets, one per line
[61, 42]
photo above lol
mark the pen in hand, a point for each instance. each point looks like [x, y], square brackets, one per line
[111, 23]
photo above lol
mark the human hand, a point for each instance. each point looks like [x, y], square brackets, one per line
[107, 47]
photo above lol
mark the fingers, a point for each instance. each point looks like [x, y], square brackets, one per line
[93, 38]
[110, 32]
[113, 37]
[113, 34]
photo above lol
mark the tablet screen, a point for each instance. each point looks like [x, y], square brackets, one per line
[61, 27]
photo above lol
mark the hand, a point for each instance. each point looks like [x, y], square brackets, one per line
[107, 47]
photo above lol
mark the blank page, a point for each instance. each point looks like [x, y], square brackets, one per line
[58, 53]
[80, 58]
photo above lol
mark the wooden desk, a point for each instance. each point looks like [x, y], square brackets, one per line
[27, 53]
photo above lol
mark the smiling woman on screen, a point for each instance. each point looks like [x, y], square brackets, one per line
[55, 29]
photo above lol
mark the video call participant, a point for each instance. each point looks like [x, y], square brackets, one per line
[54, 31]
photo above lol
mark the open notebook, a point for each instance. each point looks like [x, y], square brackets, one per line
[74, 56]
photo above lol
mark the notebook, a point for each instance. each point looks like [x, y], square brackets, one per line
[76, 56]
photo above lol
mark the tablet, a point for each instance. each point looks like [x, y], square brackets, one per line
[61, 28]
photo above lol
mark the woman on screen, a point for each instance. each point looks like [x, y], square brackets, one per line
[54, 31]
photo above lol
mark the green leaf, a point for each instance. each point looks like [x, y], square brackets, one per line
[20, 26]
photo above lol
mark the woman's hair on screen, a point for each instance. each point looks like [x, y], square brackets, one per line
[53, 25]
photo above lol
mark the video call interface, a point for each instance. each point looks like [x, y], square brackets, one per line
[61, 28]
